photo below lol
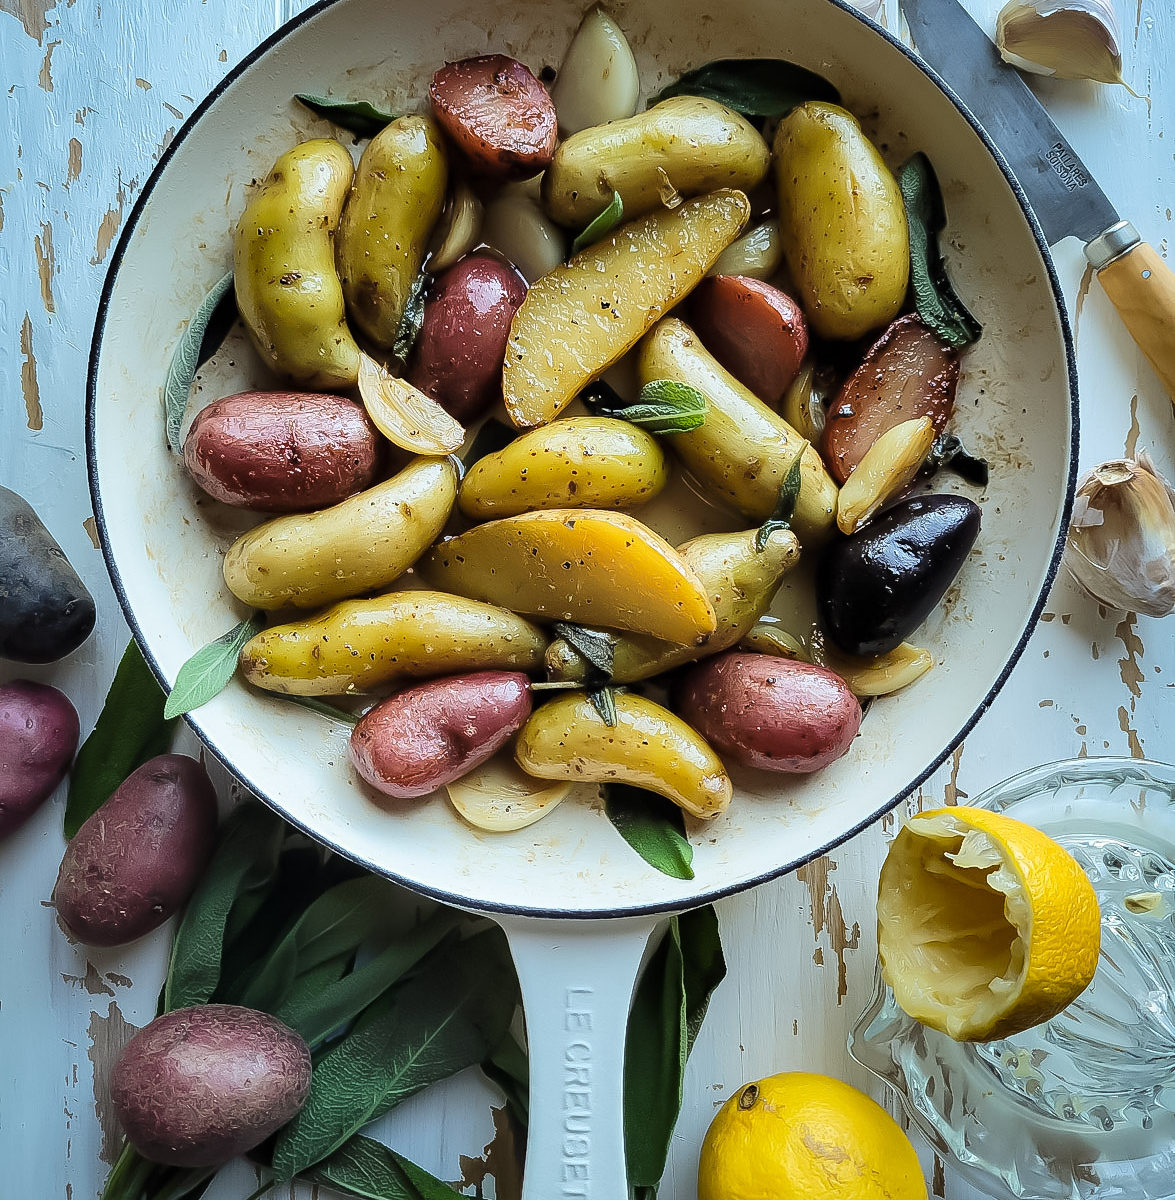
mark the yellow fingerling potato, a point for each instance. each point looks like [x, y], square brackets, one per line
[686, 144]
[577, 462]
[842, 221]
[740, 580]
[648, 747]
[395, 200]
[742, 452]
[288, 291]
[360, 644]
[579, 318]
[582, 565]
[310, 559]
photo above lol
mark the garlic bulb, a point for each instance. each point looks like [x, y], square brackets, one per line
[1121, 543]
[1071, 39]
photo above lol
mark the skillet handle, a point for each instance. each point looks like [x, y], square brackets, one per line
[577, 980]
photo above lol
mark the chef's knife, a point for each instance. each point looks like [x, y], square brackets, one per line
[1065, 197]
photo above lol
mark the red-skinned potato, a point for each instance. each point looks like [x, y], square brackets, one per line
[757, 332]
[426, 736]
[497, 114]
[282, 451]
[38, 739]
[906, 374]
[462, 342]
[772, 713]
[138, 858]
[201, 1085]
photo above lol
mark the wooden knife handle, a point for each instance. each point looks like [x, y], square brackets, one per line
[1141, 287]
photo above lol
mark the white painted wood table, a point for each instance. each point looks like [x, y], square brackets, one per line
[92, 94]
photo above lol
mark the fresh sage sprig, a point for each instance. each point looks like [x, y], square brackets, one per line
[948, 451]
[595, 648]
[652, 826]
[360, 117]
[330, 711]
[665, 406]
[198, 342]
[935, 298]
[412, 320]
[207, 673]
[364, 1167]
[755, 87]
[785, 507]
[131, 729]
[600, 225]
[667, 1012]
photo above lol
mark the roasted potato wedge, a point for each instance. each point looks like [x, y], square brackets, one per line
[583, 565]
[360, 644]
[578, 319]
[307, 560]
[743, 451]
[288, 289]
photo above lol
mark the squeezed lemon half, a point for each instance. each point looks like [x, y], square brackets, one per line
[985, 925]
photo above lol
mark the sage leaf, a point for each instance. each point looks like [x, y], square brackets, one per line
[652, 826]
[594, 646]
[935, 299]
[494, 435]
[447, 1016]
[131, 729]
[668, 1010]
[191, 350]
[361, 118]
[412, 320]
[318, 1012]
[948, 451]
[367, 1168]
[321, 707]
[785, 507]
[206, 674]
[666, 406]
[755, 87]
[508, 1067]
[244, 862]
[603, 700]
[600, 225]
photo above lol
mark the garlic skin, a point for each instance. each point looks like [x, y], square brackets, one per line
[1068, 39]
[1121, 542]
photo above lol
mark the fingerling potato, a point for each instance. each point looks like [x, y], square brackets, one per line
[757, 332]
[364, 543]
[743, 451]
[137, 859]
[575, 462]
[906, 374]
[282, 451]
[776, 714]
[497, 114]
[426, 736]
[395, 199]
[360, 644]
[288, 290]
[689, 144]
[38, 739]
[648, 747]
[580, 318]
[842, 221]
[462, 342]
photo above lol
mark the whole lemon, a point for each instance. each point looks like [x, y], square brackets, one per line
[798, 1136]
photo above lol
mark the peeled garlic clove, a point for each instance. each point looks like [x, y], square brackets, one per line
[803, 405]
[756, 255]
[598, 80]
[887, 468]
[1071, 39]
[462, 227]
[1121, 542]
[499, 796]
[774, 639]
[517, 226]
[880, 676]
[404, 414]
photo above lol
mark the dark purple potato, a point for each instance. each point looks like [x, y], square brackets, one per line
[875, 588]
[38, 739]
[139, 857]
[282, 451]
[201, 1085]
[426, 736]
[459, 353]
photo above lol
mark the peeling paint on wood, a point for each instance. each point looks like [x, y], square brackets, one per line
[45, 78]
[91, 528]
[1128, 665]
[43, 246]
[110, 225]
[34, 418]
[91, 981]
[501, 1161]
[1133, 741]
[952, 793]
[30, 13]
[74, 169]
[827, 916]
[108, 1036]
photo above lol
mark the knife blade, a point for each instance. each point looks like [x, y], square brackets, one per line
[1063, 194]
